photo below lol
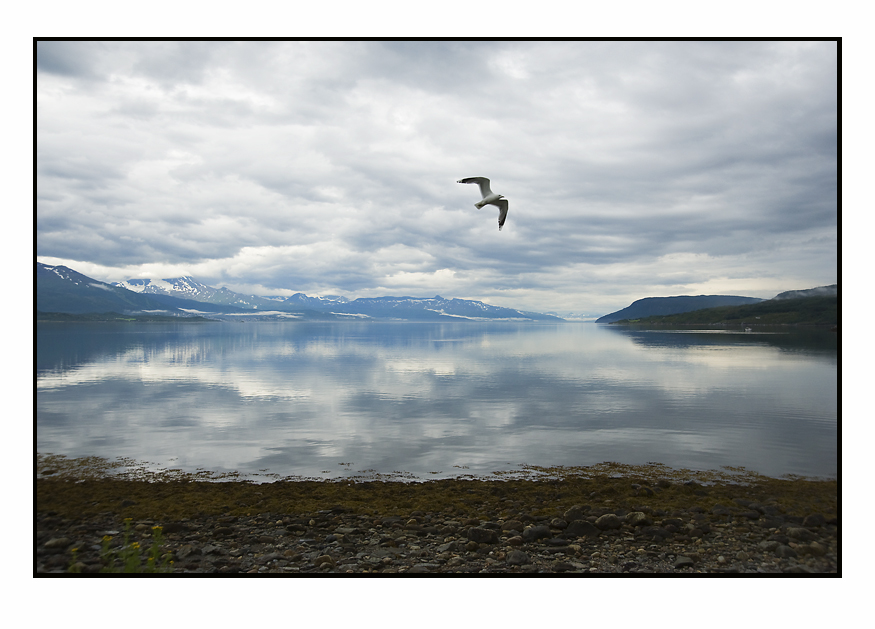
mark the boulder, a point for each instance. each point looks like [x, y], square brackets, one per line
[608, 521]
[577, 512]
[581, 528]
[533, 533]
[638, 518]
[517, 558]
[482, 535]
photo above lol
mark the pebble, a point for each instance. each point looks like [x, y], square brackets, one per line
[592, 541]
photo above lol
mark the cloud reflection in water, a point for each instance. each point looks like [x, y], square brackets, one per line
[300, 398]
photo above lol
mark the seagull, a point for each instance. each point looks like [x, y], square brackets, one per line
[489, 197]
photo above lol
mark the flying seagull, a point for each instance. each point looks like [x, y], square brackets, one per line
[489, 197]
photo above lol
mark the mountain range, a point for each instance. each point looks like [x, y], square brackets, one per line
[656, 306]
[814, 305]
[60, 289]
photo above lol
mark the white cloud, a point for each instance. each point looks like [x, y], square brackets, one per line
[632, 168]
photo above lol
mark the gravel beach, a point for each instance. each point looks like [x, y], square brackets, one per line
[598, 524]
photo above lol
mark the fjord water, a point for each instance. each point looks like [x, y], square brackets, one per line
[436, 400]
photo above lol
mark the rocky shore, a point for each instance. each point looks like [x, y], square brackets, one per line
[597, 525]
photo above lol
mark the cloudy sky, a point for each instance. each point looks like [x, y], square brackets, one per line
[631, 169]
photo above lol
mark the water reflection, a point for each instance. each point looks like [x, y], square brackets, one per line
[301, 398]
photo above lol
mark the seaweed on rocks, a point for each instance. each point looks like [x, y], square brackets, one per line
[544, 520]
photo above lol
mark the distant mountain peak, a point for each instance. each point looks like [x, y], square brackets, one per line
[650, 306]
[819, 291]
[186, 295]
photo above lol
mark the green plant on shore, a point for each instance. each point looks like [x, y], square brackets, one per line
[128, 558]
[75, 567]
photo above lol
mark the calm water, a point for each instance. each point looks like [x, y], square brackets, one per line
[436, 400]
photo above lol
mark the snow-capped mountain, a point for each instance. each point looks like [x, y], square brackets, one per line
[60, 289]
[405, 308]
[431, 308]
[187, 287]
[317, 303]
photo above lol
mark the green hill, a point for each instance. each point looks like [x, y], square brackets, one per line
[804, 311]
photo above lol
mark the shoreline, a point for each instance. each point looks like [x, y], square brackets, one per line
[600, 519]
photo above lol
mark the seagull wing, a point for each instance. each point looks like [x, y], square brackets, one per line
[502, 212]
[485, 190]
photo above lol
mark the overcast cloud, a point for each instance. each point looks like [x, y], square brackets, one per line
[632, 169]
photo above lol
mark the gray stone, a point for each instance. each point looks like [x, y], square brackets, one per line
[577, 512]
[512, 525]
[420, 568]
[517, 558]
[800, 534]
[58, 543]
[482, 535]
[785, 552]
[815, 519]
[798, 568]
[769, 545]
[186, 550]
[683, 562]
[581, 528]
[638, 518]
[817, 549]
[533, 533]
[781, 539]
[174, 527]
[558, 523]
[656, 532]
[608, 521]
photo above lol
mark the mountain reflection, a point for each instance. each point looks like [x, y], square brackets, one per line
[300, 398]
